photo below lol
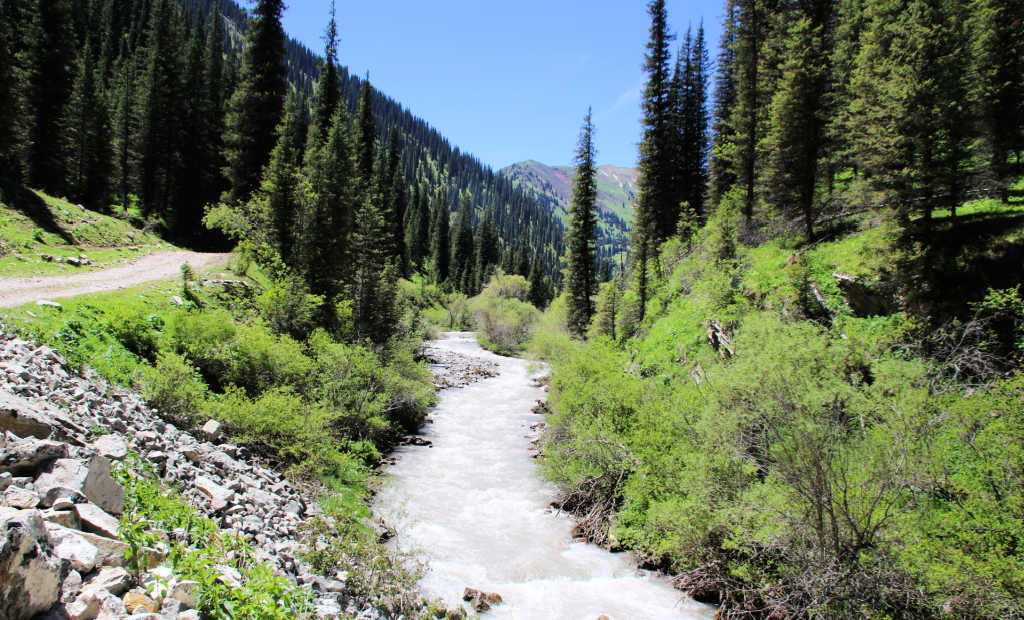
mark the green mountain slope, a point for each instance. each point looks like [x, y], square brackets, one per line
[551, 187]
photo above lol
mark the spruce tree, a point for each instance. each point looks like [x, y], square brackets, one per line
[440, 248]
[997, 33]
[581, 280]
[372, 299]
[45, 66]
[10, 111]
[722, 172]
[123, 127]
[255, 107]
[155, 154]
[907, 119]
[796, 125]
[366, 136]
[392, 189]
[487, 251]
[210, 130]
[750, 91]
[328, 93]
[462, 247]
[88, 146]
[539, 294]
[280, 188]
[694, 115]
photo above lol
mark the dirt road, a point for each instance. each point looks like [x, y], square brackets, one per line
[156, 266]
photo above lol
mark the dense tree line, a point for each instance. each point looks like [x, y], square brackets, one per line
[162, 108]
[829, 105]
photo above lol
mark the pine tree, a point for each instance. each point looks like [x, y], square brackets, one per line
[750, 38]
[89, 155]
[462, 247]
[440, 248]
[328, 93]
[210, 130]
[45, 65]
[280, 188]
[366, 136]
[722, 173]
[998, 82]
[656, 216]
[581, 280]
[539, 293]
[418, 237]
[392, 189]
[608, 301]
[796, 125]
[10, 111]
[907, 119]
[331, 211]
[123, 127]
[487, 251]
[155, 154]
[694, 113]
[255, 107]
[371, 306]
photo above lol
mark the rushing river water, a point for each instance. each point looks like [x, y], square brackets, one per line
[475, 508]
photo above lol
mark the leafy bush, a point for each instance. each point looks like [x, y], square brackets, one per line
[287, 307]
[174, 387]
[503, 319]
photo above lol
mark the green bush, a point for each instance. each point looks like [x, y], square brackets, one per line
[501, 316]
[288, 308]
[174, 387]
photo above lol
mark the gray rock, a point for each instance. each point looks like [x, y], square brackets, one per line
[31, 575]
[114, 447]
[22, 418]
[113, 579]
[185, 592]
[71, 547]
[22, 499]
[28, 455]
[220, 497]
[86, 606]
[73, 479]
[95, 521]
[111, 552]
[71, 586]
[211, 430]
[189, 615]
[42, 303]
[64, 518]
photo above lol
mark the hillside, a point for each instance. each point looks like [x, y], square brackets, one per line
[551, 187]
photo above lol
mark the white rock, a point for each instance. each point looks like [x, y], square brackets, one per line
[73, 548]
[185, 592]
[86, 606]
[211, 430]
[113, 579]
[22, 499]
[112, 446]
[220, 497]
[96, 521]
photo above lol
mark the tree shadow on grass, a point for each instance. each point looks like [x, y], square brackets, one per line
[35, 208]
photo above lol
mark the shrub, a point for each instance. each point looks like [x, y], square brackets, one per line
[502, 317]
[288, 308]
[174, 387]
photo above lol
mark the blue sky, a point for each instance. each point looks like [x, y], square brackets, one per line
[507, 81]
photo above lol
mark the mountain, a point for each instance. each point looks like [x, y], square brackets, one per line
[551, 187]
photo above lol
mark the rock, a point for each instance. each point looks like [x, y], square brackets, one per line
[74, 549]
[111, 552]
[23, 499]
[113, 579]
[31, 576]
[220, 497]
[22, 418]
[28, 455]
[101, 488]
[64, 518]
[170, 608]
[42, 303]
[211, 430]
[137, 602]
[864, 299]
[479, 600]
[189, 615]
[186, 593]
[229, 575]
[177, 300]
[111, 446]
[86, 606]
[73, 479]
[95, 521]
[5, 480]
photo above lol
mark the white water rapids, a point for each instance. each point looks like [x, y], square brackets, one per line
[476, 510]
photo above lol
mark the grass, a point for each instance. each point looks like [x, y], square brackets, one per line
[33, 224]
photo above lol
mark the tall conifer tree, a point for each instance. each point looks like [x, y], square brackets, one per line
[89, 155]
[256, 106]
[581, 280]
[440, 248]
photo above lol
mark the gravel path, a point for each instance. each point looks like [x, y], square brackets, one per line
[156, 266]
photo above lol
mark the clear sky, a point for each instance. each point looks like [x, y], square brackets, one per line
[507, 81]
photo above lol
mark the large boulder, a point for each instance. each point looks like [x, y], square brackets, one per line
[73, 479]
[22, 457]
[31, 574]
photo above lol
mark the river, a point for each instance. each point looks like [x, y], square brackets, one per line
[476, 510]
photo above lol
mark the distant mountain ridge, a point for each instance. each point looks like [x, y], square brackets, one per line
[551, 187]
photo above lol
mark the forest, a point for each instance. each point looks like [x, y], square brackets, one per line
[803, 398]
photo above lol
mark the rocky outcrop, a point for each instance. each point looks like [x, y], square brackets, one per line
[453, 370]
[479, 600]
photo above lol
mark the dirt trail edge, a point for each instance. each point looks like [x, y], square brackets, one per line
[156, 266]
